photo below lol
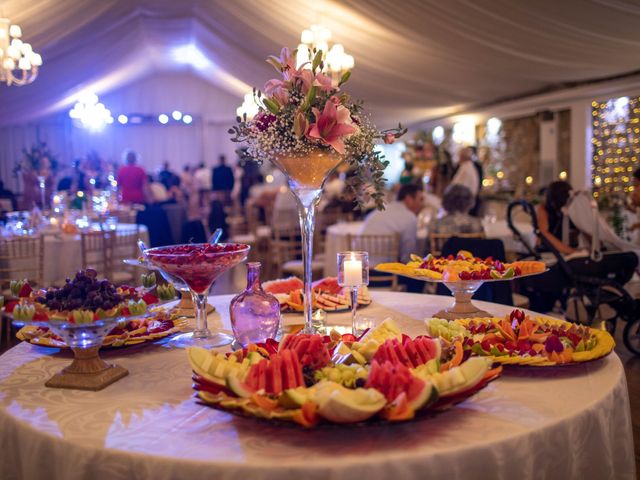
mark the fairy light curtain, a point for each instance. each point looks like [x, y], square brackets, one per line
[616, 145]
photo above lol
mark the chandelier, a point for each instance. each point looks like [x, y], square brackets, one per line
[89, 113]
[336, 61]
[18, 62]
[249, 107]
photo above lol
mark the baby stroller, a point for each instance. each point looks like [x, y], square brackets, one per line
[593, 285]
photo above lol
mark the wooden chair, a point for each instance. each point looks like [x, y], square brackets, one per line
[437, 240]
[286, 248]
[96, 251]
[124, 244]
[381, 248]
[20, 258]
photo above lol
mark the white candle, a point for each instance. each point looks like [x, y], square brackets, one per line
[352, 273]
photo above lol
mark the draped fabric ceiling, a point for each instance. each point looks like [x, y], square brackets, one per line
[415, 59]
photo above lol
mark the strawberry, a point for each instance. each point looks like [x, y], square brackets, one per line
[149, 298]
[25, 291]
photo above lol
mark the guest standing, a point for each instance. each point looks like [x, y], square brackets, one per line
[132, 180]
[167, 177]
[467, 173]
[222, 179]
[202, 179]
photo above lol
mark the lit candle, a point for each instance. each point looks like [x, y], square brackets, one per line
[352, 272]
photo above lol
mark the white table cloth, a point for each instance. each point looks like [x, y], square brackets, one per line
[564, 423]
[62, 252]
[336, 240]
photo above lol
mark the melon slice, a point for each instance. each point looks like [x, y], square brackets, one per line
[343, 405]
[459, 379]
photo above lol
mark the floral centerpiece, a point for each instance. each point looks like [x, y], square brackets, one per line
[306, 126]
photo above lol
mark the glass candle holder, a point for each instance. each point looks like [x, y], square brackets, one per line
[353, 272]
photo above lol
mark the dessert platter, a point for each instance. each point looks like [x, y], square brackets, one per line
[463, 274]
[145, 318]
[327, 295]
[519, 339]
[310, 379]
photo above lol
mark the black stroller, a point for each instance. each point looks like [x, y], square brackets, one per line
[593, 290]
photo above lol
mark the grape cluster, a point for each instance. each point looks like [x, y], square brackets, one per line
[84, 291]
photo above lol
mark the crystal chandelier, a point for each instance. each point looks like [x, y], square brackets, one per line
[18, 62]
[336, 61]
[249, 107]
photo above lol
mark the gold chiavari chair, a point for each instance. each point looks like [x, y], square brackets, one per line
[124, 244]
[286, 248]
[381, 248]
[95, 250]
[20, 258]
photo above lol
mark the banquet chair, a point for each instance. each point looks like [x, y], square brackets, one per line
[286, 248]
[381, 248]
[157, 223]
[21, 257]
[96, 251]
[438, 240]
[124, 244]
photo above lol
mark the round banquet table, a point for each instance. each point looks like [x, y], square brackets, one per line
[563, 423]
[62, 252]
[336, 240]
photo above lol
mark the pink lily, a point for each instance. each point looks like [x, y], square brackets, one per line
[278, 90]
[323, 82]
[332, 125]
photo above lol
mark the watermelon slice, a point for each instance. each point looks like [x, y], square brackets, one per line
[327, 284]
[395, 379]
[282, 371]
[310, 349]
[283, 285]
[410, 353]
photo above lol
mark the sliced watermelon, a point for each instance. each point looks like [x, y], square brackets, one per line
[410, 353]
[283, 285]
[395, 379]
[310, 349]
[280, 372]
[327, 284]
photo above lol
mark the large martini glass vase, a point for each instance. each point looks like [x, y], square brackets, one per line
[199, 265]
[306, 175]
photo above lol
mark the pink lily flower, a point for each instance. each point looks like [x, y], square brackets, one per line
[323, 82]
[278, 90]
[332, 126]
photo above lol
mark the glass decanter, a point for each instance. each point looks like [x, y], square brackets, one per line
[255, 314]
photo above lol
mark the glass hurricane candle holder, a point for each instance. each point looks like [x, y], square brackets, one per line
[353, 272]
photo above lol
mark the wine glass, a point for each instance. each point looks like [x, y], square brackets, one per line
[199, 265]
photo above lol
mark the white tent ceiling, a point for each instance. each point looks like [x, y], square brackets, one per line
[414, 59]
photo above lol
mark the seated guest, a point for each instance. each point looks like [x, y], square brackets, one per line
[6, 194]
[550, 217]
[457, 202]
[468, 174]
[398, 217]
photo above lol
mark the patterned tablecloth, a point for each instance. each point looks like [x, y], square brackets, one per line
[562, 423]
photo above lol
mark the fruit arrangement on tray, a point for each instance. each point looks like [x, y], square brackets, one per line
[519, 339]
[310, 379]
[327, 294]
[462, 267]
[85, 299]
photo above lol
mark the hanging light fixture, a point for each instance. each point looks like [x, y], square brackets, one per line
[249, 107]
[336, 61]
[18, 62]
[89, 113]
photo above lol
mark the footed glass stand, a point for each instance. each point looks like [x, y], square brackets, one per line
[462, 307]
[87, 371]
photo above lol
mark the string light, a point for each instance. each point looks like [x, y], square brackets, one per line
[615, 144]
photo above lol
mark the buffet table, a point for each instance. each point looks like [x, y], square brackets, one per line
[571, 422]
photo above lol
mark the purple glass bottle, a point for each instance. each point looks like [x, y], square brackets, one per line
[255, 314]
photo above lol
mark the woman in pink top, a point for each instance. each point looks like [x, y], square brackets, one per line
[132, 180]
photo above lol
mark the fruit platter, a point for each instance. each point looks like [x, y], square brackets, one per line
[463, 274]
[461, 267]
[519, 339]
[310, 379]
[84, 299]
[327, 295]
